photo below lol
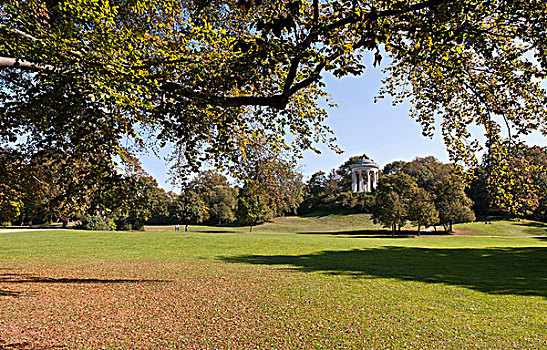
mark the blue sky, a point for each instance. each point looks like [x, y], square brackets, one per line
[385, 133]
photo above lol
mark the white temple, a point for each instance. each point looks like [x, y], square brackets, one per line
[364, 175]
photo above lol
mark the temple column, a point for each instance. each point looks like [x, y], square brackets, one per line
[368, 180]
[353, 181]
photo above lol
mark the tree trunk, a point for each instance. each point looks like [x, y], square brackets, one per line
[186, 228]
[450, 226]
[251, 228]
[419, 226]
[393, 228]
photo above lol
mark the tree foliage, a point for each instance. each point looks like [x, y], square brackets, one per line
[511, 180]
[252, 209]
[219, 198]
[511, 185]
[422, 211]
[452, 203]
[188, 209]
[84, 75]
[393, 198]
[271, 174]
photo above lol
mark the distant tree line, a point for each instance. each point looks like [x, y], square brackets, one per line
[40, 189]
[50, 187]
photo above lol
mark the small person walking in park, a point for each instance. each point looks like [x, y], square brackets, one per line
[177, 227]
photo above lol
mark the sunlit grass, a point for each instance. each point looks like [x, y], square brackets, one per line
[503, 228]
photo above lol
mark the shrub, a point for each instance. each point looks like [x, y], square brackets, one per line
[96, 223]
[123, 225]
[126, 224]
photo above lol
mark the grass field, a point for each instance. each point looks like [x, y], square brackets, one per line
[340, 285]
[503, 228]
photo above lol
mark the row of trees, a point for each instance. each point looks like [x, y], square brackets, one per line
[55, 186]
[425, 192]
[51, 186]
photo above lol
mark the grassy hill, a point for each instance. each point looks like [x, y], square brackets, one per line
[502, 228]
[361, 225]
[333, 223]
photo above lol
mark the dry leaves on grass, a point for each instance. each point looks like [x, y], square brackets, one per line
[132, 305]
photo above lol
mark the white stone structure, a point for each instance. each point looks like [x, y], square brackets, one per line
[364, 175]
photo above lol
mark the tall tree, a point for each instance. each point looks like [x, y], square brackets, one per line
[188, 209]
[538, 157]
[141, 199]
[452, 203]
[393, 198]
[220, 199]
[11, 201]
[252, 209]
[200, 74]
[428, 171]
[270, 173]
[422, 211]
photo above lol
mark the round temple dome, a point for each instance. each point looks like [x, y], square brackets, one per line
[365, 162]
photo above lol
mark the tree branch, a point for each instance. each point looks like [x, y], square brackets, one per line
[9, 62]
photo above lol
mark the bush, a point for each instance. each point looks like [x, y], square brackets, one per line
[123, 225]
[96, 223]
[126, 224]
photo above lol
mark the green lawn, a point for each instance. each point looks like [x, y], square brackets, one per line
[503, 228]
[338, 286]
[341, 223]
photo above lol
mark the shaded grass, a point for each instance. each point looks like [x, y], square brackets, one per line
[518, 271]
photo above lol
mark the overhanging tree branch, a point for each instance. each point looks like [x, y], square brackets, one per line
[10, 62]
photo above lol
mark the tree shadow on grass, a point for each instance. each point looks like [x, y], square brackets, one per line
[321, 214]
[9, 293]
[532, 224]
[533, 228]
[4, 345]
[215, 231]
[376, 233]
[515, 271]
[27, 278]
[20, 278]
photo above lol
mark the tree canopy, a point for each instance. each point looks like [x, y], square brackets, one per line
[88, 75]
